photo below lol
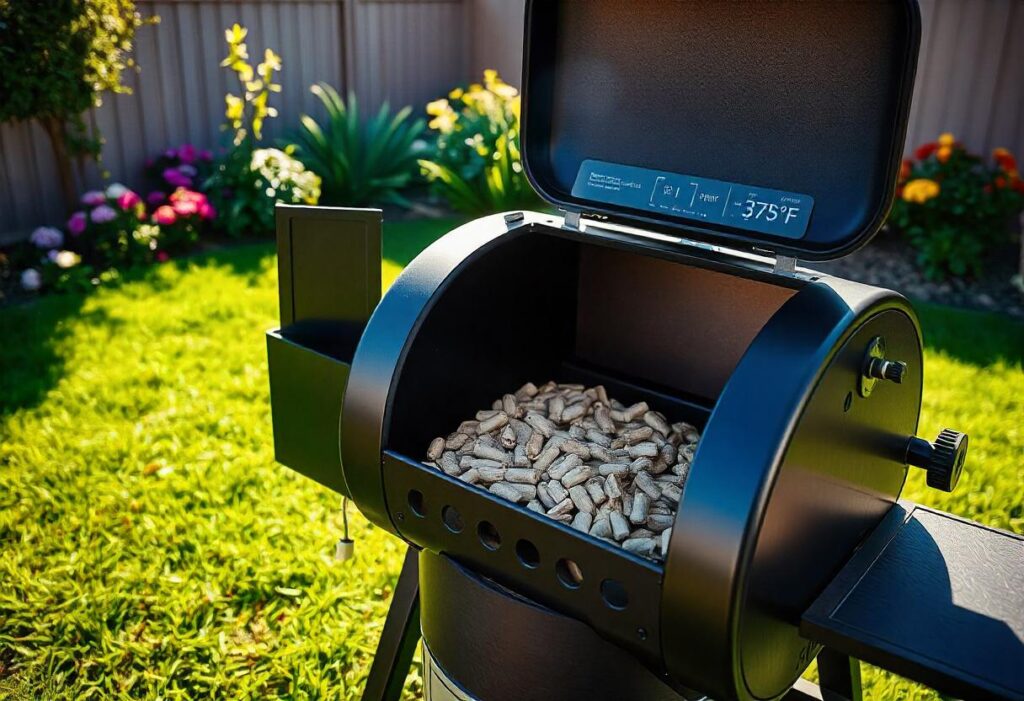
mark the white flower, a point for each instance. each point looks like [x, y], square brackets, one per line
[66, 259]
[47, 237]
[31, 280]
[115, 190]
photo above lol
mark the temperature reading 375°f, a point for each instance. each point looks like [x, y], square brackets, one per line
[768, 211]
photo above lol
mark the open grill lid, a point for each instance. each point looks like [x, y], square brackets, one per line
[773, 126]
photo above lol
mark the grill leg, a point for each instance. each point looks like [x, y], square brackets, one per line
[399, 637]
[839, 676]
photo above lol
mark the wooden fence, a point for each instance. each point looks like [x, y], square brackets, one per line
[970, 79]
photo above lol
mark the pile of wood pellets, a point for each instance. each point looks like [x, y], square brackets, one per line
[573, 454]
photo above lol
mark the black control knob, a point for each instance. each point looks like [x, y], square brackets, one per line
[879, 368]
[891, 370]
[943, 460]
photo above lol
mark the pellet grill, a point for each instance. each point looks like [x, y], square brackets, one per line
[695, 151]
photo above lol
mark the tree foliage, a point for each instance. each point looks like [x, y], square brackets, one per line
[58, 58]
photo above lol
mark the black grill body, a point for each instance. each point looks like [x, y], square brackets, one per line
[771, 396]
[804, 450]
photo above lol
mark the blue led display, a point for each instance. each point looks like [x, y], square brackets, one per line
[749, 207]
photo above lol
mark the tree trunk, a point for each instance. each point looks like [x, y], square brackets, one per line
[55, 130]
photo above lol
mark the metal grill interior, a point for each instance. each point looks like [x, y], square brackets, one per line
[540, 305]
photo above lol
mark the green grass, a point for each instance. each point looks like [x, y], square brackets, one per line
[151, 547]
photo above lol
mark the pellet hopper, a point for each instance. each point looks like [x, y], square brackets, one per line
[696, 152]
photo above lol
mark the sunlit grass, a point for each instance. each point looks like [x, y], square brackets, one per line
[152, 548]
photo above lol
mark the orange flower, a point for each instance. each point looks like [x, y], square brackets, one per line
[1004, 159]
[920, 191]
[905, 169]
[943, 154]
[1000, 182]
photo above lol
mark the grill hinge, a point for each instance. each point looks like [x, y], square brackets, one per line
[784, 265]
[572, 220]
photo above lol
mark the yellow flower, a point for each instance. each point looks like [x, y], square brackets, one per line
[271, 61]
[235, 107]
[438, 107]
[491, 77]
[455, 94]
[444, 122]
[504, 90]
[921, 190]
[947, 139]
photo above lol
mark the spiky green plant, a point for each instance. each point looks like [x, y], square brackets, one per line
[359, 164]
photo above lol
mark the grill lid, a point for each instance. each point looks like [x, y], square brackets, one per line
[774, 126]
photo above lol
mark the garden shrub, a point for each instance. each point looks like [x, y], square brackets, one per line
[248, 181]
[181, 220]
[953, 206]
[58, 58]
[359, 164]
[112, 231]
[185, 166]
[247, 185]
[107, 233]
[477, 165]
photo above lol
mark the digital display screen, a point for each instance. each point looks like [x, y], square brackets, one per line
[760, 209]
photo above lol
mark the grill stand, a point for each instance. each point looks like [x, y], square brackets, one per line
[527, 659]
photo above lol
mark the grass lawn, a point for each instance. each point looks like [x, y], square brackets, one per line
[151, 547]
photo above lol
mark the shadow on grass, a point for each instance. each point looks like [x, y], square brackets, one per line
[977, 338]
[30, 362]
[32, 332]
[403, 240]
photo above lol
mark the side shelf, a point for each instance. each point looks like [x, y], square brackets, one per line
[329, 273]
[932, 597]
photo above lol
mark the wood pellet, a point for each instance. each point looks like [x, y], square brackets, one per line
[614, 471]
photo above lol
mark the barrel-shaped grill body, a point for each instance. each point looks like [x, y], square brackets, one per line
[794, 468]
[741, 123]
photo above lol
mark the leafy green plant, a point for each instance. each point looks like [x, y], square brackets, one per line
[477, 165]
[359, 164]
[58, 59]
[246, 188]
[247, 182]
[952, 206]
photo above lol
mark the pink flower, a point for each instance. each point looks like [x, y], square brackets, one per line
[93, 198]
[165, 215]
[77, 223]
[156, 197]
[103, 214]
[206, 155]
[162, 256]
[128, 200]
[187, 153]
[207, 211]
[175, 178]
[185, 208]
[188, 202]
